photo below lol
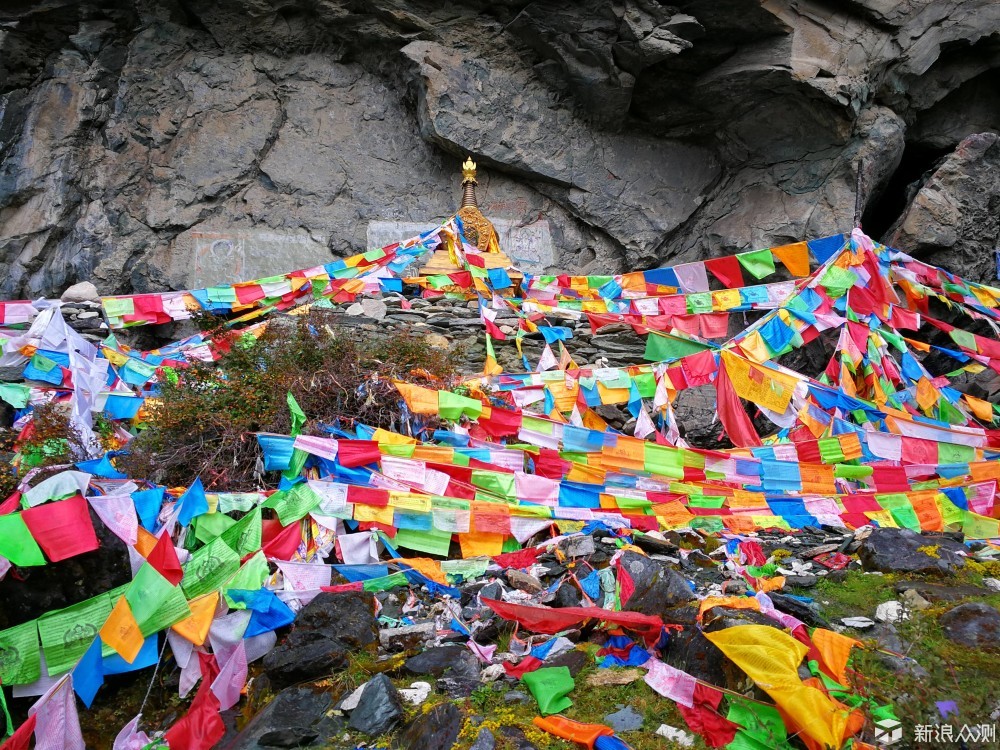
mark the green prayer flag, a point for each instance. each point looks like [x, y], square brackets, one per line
[762, 726]
[155, 603]
[16, 542]
[294, 504]
[551, 687]
[452, 406]
[210, 525]
[953, 453]
[758, 263]
[67, 633]
[250, 577]
[384, 583]
[433, 541]
[837, 281]
[244, 537]
[209, 568]
[15, 394]
[298, 416]
[661, 348]
[699, 302]
[20, 658]
[494, 482]
[664, 460]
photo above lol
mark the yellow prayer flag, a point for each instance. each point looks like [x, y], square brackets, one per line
[763, 386]
[195, 626]
[121, 632]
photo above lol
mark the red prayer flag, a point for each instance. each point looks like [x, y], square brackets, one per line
[21, 738]
[527, 664]
[727, 270]
[62, 529]
[163, 557]
[733, 416]
[201, 727]
[351, 453]
[280, 542]
[551, 621]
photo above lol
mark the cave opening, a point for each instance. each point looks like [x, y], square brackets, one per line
[881, 213]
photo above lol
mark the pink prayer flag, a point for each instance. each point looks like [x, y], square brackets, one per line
[693, 277]
[57, 724]
[670, 682]
[130, 738]
[232, 677]
[485, 653]
[118, 514]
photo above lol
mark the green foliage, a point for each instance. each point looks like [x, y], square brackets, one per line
[202, 423]
[938, 669]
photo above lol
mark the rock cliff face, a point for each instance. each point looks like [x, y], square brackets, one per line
[150, 144]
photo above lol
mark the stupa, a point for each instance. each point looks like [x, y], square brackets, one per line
[480, 234]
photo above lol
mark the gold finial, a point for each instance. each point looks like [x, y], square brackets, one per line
[469, 171]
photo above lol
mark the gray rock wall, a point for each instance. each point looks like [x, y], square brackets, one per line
[152, 144]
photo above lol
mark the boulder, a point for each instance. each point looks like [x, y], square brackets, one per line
[83, 291]
[657, 587]
[379, 710]
[973, 624]
[295, 715]
[905, 551]
[326, 632]
[437, 729]
[952, 220]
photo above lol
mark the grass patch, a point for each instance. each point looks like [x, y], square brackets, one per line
[967, 676]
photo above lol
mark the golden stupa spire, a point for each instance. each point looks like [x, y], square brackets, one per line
[478, 229]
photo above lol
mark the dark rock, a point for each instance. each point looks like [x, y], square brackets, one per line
[973, 624]
[293, 715]
[573, 660]
[516, 696]
[691, 651]
[567, 595]
[800, 610]
[939, 592]
[721, 618]
[898, 551]
[326, 632]
[952, 221]
[379, 710]
[435, 730]
[456, 668]
[524, 582]
[287, 738]
[437, 661]
[625, 719]
[804, 582]
[657, 587]
[484, 740]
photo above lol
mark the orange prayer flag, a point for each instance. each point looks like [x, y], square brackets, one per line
[984, 470]
[121, 632]
[195, 627]
[145, 542]
[794, 257]
[982, 409]
[419, 400]
[835, 650]
[478, 543]
[427, 566]
[927, 394]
